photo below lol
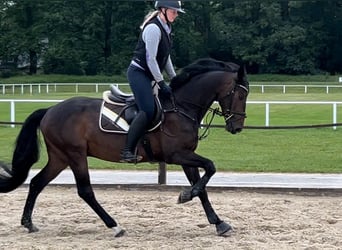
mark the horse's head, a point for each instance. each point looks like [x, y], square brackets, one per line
[214, 80]
[233, 104]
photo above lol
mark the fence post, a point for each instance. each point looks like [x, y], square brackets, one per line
[162, 173]
[267, 114]
[12, 113]
[335, 114]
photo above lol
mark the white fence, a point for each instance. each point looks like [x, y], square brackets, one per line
[30, 88]
[40, 88]
[269, 103]
[284, 88]
[14, 101]
[266, 103]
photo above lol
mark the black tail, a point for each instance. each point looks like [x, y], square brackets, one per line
[26, 153]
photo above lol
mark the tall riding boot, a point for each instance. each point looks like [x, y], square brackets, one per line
[135, 132]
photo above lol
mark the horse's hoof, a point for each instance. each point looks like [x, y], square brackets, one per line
[223, 229]
[118, 231]
[33, 229]
[184, 196]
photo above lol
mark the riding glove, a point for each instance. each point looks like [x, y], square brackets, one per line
[164, 89]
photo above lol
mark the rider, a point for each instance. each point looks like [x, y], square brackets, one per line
[151, 57]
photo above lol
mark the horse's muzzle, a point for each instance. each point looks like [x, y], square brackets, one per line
[233, 128]
[234, 121]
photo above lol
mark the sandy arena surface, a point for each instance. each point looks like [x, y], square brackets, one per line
[153, 220]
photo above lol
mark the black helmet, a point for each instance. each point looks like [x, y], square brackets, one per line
[175, 5]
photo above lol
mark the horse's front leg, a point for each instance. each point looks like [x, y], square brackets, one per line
[193, 176]
[199, 184]
[198, 189]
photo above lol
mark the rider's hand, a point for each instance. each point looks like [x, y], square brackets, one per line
[164, 89]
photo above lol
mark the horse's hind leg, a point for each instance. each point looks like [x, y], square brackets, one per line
[193, 176]
[37, 184]
[85, 191]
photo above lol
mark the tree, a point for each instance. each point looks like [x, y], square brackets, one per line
[98, 37]
[23, 29]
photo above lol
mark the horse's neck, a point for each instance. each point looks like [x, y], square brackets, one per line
[193, 104]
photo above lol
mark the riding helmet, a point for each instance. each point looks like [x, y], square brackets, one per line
[175, 5]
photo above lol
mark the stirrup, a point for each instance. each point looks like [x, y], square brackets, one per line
[128, 157]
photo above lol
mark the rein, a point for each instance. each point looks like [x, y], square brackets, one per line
[228, 114]
[208, 125]
[175, 109]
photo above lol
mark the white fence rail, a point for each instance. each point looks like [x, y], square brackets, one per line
[269, 103]
[284, 88]
[14, 101]
[266, 103]
[30, 88]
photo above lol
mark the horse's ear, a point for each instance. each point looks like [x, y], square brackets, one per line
[242, 75]
[241, 71]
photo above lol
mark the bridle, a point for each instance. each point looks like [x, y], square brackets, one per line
[229, 113]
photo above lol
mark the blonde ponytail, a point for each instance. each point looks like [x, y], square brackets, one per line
[148, 18]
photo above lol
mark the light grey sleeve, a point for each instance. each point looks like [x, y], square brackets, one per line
[152, 36]
[170, 69]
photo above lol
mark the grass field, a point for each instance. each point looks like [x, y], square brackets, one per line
[299, 150]
[296, 150]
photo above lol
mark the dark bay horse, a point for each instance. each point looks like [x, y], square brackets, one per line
[71, 133]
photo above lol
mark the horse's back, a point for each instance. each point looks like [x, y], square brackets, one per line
[69, 117]
[74, 107]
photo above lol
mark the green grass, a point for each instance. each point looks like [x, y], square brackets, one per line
[280, 114]
[297, 150]
[307, 150]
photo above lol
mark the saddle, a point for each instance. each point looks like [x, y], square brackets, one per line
[118, 110]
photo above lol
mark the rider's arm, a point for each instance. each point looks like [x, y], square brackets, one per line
[169, 69]
[152, 36]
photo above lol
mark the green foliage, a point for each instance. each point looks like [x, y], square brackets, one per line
[98, 37]
[61, 64]
[55, 78]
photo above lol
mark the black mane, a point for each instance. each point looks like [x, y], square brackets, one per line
[199, 67]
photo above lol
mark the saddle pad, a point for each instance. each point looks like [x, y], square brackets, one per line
[112, 118]
[110, 121]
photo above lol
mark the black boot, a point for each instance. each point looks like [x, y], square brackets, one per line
[135, 132]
